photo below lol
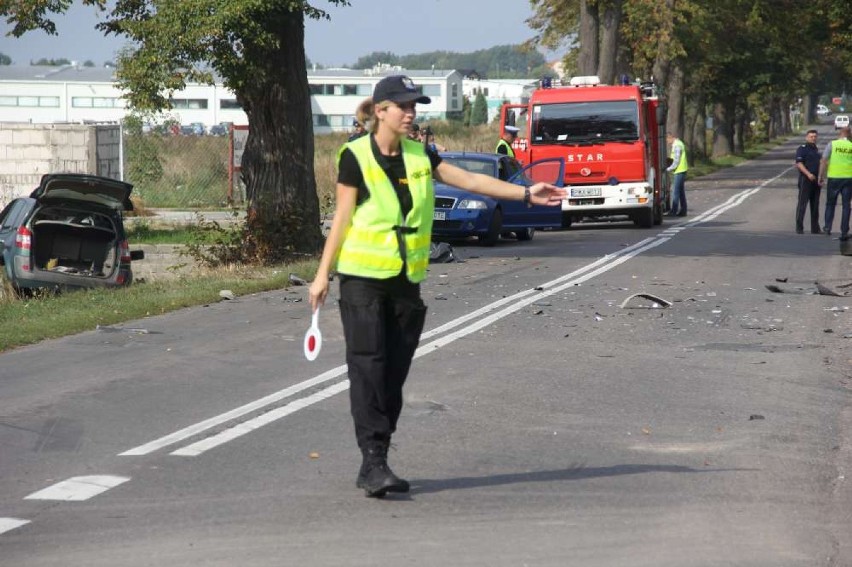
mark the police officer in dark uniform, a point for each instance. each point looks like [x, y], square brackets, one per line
[807, 162]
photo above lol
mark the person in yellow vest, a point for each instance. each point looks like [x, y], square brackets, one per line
[677, 168]
[504, 144]
[836, 167]
[379, 246]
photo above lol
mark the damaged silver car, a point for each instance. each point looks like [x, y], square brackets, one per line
[69, 233]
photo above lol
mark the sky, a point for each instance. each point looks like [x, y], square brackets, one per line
[400, 26]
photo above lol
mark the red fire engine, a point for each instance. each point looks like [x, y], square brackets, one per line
[613, 141]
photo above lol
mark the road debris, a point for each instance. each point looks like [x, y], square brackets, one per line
[111, 329]
[656, 301]
[441, 253]
[227, 294]
[823, 290]
[296, 280]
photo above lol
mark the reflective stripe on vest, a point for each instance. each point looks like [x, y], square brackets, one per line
[683, 166]
[840, 160]
[509, 151]
[370, 247]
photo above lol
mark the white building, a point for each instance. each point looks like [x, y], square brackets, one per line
[89, 94]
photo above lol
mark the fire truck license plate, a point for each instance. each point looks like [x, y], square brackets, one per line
[585, 191]
[440, 215]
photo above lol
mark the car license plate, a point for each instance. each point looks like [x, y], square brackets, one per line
[440, 215]
[585, 191]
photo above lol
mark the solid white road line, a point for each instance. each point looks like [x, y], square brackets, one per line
[9, 524]
[78, 488]
[199, 447]
[516, 302]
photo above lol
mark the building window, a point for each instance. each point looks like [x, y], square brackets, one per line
[229, 104]
[455, 104]
[96, 102]
[365, 90]
[33, 101]
[455, 90]
[317, 89]
[344, 90]
[321, 120]
[189, 103]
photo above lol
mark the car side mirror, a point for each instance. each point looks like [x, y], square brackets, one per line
[137, 255]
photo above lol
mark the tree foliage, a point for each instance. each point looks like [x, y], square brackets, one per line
[502, 61]
[748, 61]
[5, 59]
[257, 49]
[479, 111]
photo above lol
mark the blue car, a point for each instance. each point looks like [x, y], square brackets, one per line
[459, 214]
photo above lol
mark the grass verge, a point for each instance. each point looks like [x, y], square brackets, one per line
[29, 320]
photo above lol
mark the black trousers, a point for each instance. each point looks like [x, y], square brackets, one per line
[382, 322]
[808, 197]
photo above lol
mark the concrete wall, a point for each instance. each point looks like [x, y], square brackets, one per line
[28, 151]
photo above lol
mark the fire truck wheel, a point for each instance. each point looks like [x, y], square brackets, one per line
[644, 218]
[525, 234]
[658, 214]
[493, 235]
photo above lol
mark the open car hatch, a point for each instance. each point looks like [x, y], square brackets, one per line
[108, 192]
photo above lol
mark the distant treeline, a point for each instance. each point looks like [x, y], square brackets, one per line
[499, 62]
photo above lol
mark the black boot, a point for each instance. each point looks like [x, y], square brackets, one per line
[375, 476]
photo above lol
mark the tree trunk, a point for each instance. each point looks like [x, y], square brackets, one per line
[698, 129]
[774, 119]
[278, 161]
[609, 43]
[741, 129]
[722, 132]
[675, 98]
[662, 63]
[587, 59]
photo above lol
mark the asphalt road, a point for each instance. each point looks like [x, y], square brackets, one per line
[544, 423]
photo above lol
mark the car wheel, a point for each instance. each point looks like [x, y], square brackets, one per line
[525, 234]
[493, 235]
[567, 220]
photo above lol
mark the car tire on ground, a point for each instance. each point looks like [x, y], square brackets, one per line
[525, 234]
[567, 219]
[493, 235]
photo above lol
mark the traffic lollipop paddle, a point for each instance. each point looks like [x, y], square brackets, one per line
[313, 338]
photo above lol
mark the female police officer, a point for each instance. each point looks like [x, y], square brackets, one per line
[379, 244]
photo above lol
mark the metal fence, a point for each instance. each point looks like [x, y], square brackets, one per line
[179, 170]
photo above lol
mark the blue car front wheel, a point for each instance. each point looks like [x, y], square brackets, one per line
[491, 237]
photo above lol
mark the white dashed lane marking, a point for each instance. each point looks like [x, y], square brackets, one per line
[78, 488]
[9, 524]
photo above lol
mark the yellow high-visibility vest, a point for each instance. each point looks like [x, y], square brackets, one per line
[840, 160]
[509, 151]
[371, 246]
[683, 166]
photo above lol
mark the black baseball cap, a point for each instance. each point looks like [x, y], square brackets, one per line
[399, 89]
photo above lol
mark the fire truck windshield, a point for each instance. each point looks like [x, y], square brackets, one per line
[585, 122]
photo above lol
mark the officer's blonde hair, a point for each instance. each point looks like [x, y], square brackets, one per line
[366, 113]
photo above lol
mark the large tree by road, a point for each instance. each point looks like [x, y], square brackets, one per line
[257, 48]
